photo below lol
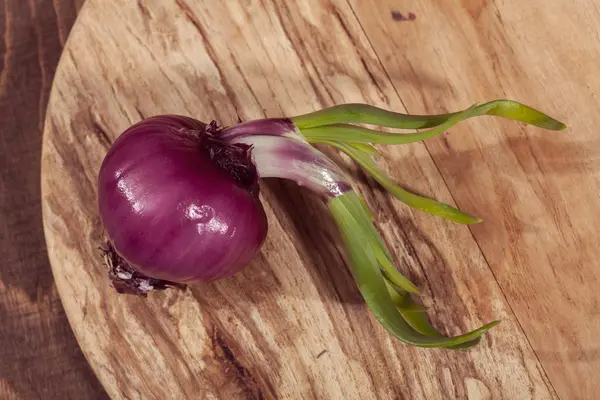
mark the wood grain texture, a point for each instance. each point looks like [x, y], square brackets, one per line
[537, 192]
[39, 356]
[293, 324]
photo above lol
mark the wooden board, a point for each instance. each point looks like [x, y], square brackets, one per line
[292, 325]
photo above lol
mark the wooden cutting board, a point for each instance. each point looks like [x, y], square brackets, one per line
[293, 324]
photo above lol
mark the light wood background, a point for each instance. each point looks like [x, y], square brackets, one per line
[292, 325]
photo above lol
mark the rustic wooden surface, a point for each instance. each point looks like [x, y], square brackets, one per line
[39, 356]
[292, 325]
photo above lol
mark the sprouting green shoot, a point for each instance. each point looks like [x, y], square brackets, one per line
[386, 291]
[414, 314]
[366, 114]
[413, 200]
[356, 134]
[357, 232]
[330, 126]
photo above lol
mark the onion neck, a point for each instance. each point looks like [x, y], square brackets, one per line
[289, 157]
[263, 127]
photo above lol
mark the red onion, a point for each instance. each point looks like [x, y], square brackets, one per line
[179, 200]
[177, 206]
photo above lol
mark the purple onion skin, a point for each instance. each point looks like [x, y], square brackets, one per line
[171, 211]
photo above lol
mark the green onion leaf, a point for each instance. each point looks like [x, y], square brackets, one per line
[356, 229]
[355, 134]
[413, 200]
[366, 114]
[414, 315]
[388, 269]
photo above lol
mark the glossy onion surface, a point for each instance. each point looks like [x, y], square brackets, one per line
[170, 211]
